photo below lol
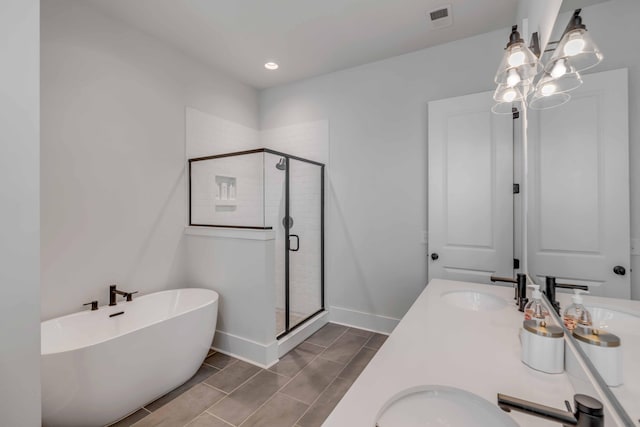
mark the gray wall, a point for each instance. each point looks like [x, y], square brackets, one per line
[113, 151]
[378, 152]
[19, 214]
[376, 259]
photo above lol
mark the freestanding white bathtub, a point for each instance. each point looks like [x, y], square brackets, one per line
[96, 369]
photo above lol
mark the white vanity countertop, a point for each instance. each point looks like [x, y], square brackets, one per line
[438, 344]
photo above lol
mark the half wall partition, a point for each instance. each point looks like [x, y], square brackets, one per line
[265, 189]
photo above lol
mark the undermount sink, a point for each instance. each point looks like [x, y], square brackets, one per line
[435, 405]
[474, 300]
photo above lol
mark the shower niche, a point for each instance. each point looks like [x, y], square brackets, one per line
[276, 192]
[226, 188]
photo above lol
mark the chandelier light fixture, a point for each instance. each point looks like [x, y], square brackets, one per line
[521, 76]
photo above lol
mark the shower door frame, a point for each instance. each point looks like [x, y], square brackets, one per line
[287, 321]
[288, 329]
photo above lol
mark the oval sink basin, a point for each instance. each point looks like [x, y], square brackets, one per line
[474, 300]
[434, 405]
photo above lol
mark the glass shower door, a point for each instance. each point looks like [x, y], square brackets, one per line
[304, 237]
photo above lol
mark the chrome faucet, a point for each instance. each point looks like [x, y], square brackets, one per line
[550, 290]
[589, 412]
[113, 293]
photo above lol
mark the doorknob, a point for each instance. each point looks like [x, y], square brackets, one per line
[619, 270]
[435, 256]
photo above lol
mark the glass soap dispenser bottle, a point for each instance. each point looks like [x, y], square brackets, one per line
[535, 310]
[576, 314]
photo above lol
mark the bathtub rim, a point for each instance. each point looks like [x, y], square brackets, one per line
[214, 300]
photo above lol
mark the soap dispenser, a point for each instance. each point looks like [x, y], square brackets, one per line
[576, 314]
[535, 310]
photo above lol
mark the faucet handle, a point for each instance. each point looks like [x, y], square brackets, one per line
[129, 295]
[571, 286]
[93, 304]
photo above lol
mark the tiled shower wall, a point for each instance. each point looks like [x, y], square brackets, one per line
[305, 209]
[209, 135]
[245, 208]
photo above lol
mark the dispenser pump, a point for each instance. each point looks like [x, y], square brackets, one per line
[536, 294]
[576, 314]
[576, 298]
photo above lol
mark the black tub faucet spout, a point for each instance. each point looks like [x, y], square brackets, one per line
[114, 292]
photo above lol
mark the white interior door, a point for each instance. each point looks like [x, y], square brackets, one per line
[470, 190]
[578, 225]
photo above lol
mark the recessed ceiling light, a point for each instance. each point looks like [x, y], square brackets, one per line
[271, 66]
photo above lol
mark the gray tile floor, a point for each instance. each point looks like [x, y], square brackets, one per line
[301, 390]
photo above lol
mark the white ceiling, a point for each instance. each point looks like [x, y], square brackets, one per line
[306, 37]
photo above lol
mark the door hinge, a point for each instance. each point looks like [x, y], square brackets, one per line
[516, 188]
[516, 263]
[515, 112]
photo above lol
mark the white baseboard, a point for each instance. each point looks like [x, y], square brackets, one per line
[358, 319]
[263, 355]
[294, 338]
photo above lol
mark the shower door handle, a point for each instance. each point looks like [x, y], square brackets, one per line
[297, 242]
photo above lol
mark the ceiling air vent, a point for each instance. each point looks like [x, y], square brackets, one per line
[441, 17]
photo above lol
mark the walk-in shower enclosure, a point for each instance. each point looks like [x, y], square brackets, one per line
[264, 189]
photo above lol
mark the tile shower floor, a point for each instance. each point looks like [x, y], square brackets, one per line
[300, 390]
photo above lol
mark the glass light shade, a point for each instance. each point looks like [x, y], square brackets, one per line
[503, 108]
[578, 49]
[549, 85]
[506, 93]
[542, 102]
[517, 60]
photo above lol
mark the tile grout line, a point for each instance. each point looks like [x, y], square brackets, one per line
[218, 418]
[274, 394]
[228, 394]
[334, 380]
[292, 378]
[194, 418]
[216, 389]
[201, 382]
[332, 342]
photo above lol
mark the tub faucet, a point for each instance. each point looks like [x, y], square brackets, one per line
[550, 290]
[113, 292]
[93, 304]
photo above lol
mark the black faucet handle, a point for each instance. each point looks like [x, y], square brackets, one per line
[588, 411]
[129, 295]
[93, 304]
[572, 286]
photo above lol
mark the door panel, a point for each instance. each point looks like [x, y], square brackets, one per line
[305, 240]
[470, 189]
[578, 225]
